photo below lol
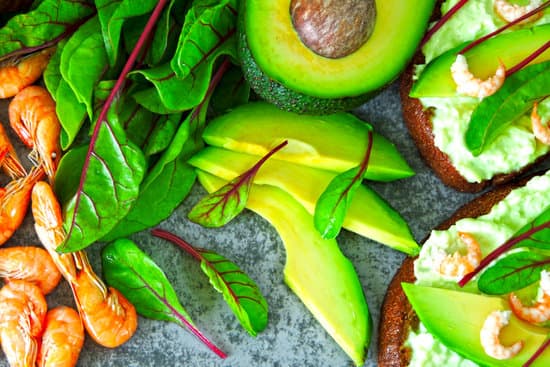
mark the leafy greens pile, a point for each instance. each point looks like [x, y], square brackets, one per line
[132, 82]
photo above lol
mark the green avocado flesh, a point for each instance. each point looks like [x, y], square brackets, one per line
[334, 142]
[511, 48]
[456, 318]
[284, 71]
[368, 214]
[315, 270]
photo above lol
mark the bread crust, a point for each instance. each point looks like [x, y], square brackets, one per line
[397, 316]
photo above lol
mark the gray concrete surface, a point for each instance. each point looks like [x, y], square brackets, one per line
[293, 337]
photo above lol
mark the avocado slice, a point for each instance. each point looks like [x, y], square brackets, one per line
[334, 142]
[456, 318]
[315, 269]
[511, 48]
[368, 214]
[286, 70]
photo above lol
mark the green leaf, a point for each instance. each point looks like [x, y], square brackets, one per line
[512, 100]
[68, 173]
[220, 207]
[52, 73]
[196, 65]
[143, 282]
[163, 189]
[113, 14]
[163, 132]
[333, 203]
[107, 195]
[232, 91]
[513, 272]
[207, 24]
[71, 113]
[50, 21]
[84, 62]
[240, 292]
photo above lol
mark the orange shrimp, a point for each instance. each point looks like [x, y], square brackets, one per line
[108, 316]
[539, 311]
[62, 339]
[14, 203]
[458, 265]
[33, 117]
[16, 76]
[8, 160]
[21, 319]
[30, 263]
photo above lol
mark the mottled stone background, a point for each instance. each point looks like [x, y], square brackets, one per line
[293, 337]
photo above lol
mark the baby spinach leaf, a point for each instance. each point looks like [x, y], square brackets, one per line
[113, 14]
[50, 21]
[143, 282]
[207, 23]
[220, 207]
[240, 292]
[333, 203]
[512, 100]
[513, 272]
[112, 171]
[535, 234]
[84, 62]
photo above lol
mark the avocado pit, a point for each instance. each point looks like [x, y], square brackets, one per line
[333, 28]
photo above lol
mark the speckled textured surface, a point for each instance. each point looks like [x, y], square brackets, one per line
[292, 337]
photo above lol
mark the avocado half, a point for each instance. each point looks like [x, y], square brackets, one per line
[285, 71]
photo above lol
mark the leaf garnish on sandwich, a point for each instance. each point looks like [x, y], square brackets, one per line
[478, 65]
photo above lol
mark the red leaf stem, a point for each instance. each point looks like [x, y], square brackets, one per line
[528, 59]
[499, 251]
[538, 352]
[109, 101]
[216, 77]
[442, 21]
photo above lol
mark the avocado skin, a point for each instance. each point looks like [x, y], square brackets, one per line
[281, 96]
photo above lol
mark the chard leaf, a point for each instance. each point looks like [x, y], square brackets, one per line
[333, 203]
[534, 235]
[232, 91]
[512, 100]
[166, 94]
[513, 272]
[112, 171]
[108, 187]
[68, 172]
[143, 282]
[70, 111]
[240, 292]
[163, 132]
[136, 121]
[163, 189]
[207, 23]
[220, 207]
[84, 62]
[113, 14]
[50, 21]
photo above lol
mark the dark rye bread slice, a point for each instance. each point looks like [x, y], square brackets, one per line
[397, 316]
[419, 124]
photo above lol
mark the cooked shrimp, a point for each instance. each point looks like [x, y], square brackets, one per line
[540, 130]
[490, 336]
[33, 117]
[468, 84]
[8, 160]
[30, 263]
[510, 12]
[108, 316]
[62, 339]
[458, 265]
[539, 312]
[16, 76]
[14, 203]
[19, 346]
[34, 299]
